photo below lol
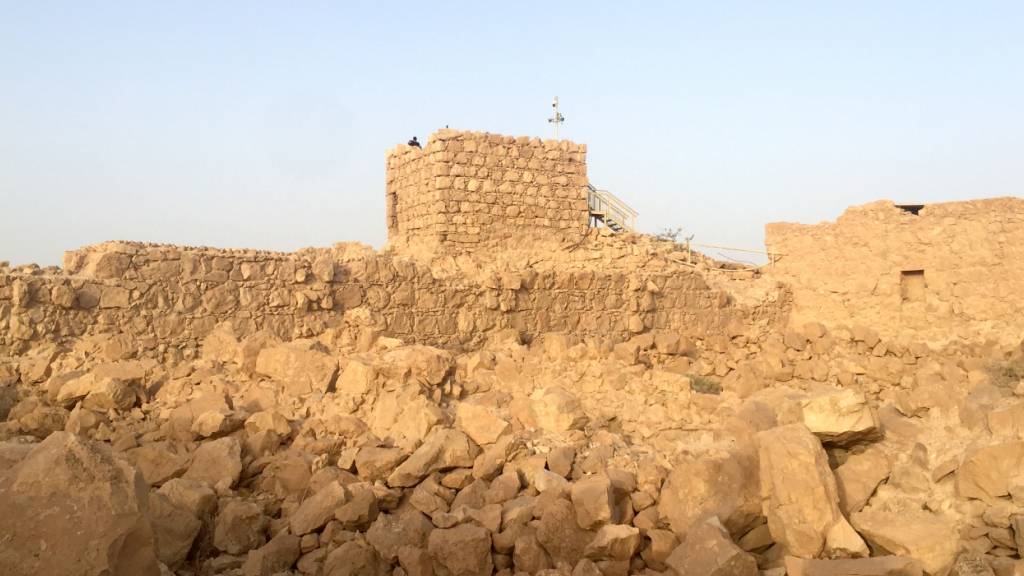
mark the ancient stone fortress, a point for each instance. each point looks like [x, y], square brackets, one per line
[507, 389]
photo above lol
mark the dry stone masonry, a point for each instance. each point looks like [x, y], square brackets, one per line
[575, 403]
[466, 189]
[942, 272]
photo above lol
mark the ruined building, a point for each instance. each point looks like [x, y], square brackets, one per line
[513, 387]
[940, 272]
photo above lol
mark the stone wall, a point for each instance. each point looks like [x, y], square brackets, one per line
[952, 271]
[465, 189]
[162, 297]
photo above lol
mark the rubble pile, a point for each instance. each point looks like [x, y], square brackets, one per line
[802, 452]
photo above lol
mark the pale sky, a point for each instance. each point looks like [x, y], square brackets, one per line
[264, 124]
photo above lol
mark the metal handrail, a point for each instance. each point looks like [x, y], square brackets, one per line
[606, 202]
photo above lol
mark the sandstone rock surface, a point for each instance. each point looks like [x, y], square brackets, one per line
[71, 507]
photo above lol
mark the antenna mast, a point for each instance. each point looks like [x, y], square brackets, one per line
[557, 119]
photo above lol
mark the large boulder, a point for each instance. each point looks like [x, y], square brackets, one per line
[801, 500]
[841, 417]
[317, 510]
[859, 476]
[708, 551]
[928, 538]
[218, 463]
[556, 409]
[559, 533]
[461, 551]
[719, 483]
[443, 450]
[423, 365]
[480, 422]
[299, 367]
[71, 508]
[593, 501]
[986, 473]
[174, 529]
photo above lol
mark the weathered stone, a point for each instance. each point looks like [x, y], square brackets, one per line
[390, 532]
[985, 473]
[614, 542]
[316, 511]
[841, 417]
[529, 556]
[559, 533]
[557, 410]
[218, 463]
[301, 370]
[461, 551]
[858, 477]
[801, 500]
[174, 529]
[928, 538]
[722, 484]
[193, 496]
[360, 509]
[375, 463]
[240, 527]
[480, 423]
[158, 462]
[446, 449]
[69, 508]
[273, 557]
[354, 558]
[593, 502]
[708, 551]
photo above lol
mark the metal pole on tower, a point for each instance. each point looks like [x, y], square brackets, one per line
[557, 118]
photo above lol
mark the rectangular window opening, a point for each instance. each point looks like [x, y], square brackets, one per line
[912, 285]
[910, 208]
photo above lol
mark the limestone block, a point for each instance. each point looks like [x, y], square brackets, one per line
[858, 477]
[841, 417]
[801, 500]
[708, 551]
[930, 539]
[592, 501]
[721, 484]
[300, 369]
[985, 473]
[67, 481]
[461, 551]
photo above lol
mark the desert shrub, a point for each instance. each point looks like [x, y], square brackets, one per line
[1008, 373]
[704, 385]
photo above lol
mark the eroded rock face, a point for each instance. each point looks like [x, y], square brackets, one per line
[70, 508]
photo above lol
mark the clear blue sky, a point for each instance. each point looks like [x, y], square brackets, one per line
[264, 124]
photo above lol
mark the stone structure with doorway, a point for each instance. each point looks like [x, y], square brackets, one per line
[943, 272]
